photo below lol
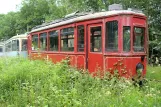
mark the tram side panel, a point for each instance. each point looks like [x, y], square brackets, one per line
[125, 66]
[72, 59]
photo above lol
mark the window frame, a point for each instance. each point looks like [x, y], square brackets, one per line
[74, 36]
[118, 37]
[94, 26]
[24, 43]
[57, 41]
[1, 49]
[37, 48]
[7, 45]
[81, 25]
[17, 44]
[39, 39]
[130, 38]
[144, 37]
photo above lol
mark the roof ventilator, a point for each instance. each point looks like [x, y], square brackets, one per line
[115, 7]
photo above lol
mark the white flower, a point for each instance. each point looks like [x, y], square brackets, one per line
[140, 102]
[108, 93]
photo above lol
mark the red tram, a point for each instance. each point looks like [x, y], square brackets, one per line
[104, 41]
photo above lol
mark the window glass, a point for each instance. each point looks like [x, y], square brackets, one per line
[15, 45]
[1, 49]
[24, 44]
[53, 37]
[35, 42]
[8, 47]
[111, 42]
[43, 41]
[138, 39]
[96, 39]
[126, 38]
[67, 39]
[80, 38]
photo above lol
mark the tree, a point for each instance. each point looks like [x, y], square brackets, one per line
[8, 25]
[33, 12]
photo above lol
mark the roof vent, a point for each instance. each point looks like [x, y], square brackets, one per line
[71, 14]
[115, 7]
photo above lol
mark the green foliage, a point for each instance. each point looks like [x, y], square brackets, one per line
[41, 83]
[33, 12]
[8, 25]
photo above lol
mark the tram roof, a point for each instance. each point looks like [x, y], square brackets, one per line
[77, 17]
[1, 43]
[17, 36]
[20, 36]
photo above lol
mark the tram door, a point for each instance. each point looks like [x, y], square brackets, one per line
[95, 57]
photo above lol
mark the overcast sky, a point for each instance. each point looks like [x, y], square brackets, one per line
[8, 5]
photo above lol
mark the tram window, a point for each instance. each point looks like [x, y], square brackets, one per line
[8, 47]
[35, 42]
[53, 37]
[80, 38]
[111, 36]
[1, 49]
[15, 45]
[24, 44]
[67, 39]
[43, 41]
[96, 39]
[126, 38]
[138, 39]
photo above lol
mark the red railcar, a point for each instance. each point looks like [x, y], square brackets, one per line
[104, 41]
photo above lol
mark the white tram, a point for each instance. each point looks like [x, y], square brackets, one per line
[16, 46]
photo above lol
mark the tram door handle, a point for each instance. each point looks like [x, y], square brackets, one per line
[87, 59]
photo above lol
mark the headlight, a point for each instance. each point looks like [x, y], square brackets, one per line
[139, 68]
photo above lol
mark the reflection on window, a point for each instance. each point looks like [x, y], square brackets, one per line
[24, 44]
[15, 45]
[96, 39]
[67, 39]
[111, 36]
[53, 37]
[35, 42]
[43, 41]
[80, 38]
[126, 38]
[138, 39]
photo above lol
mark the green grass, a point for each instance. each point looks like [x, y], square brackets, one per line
[25, 83]
[154, 73]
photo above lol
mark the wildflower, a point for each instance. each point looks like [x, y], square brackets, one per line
[140, 102]
[149, 95]
[108, 93]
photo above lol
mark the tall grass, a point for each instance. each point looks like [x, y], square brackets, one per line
[25, 83]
